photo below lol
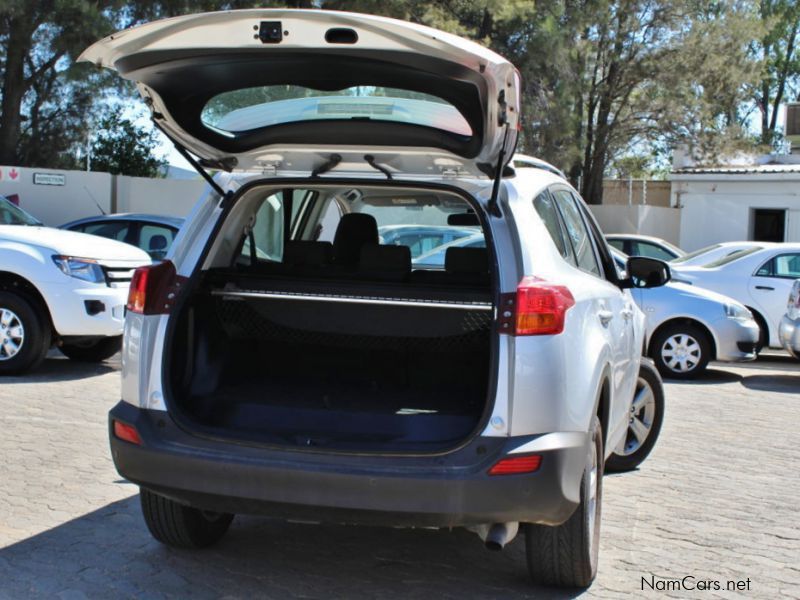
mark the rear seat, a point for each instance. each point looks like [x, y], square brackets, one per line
[356, 255]
[307, 254]
[462, 266]
[384, 263]
[467, 265]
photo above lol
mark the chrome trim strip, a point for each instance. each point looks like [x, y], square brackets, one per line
[484, 306]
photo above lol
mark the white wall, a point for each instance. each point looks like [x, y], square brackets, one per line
[720, 210]
[54, 205]
[174, 197]
[86, 194]
[658, 221]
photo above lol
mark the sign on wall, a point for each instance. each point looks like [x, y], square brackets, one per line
[49, 179]
[10, 174]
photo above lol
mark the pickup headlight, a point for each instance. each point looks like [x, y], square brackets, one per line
[80, 268]
[738, 312]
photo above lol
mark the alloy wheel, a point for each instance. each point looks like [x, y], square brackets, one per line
[641, 418]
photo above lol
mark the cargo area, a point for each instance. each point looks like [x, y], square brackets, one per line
[377, 339]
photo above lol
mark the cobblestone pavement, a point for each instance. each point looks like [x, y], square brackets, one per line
[717, 499]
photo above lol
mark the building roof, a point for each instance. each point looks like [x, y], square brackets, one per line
[772, 169]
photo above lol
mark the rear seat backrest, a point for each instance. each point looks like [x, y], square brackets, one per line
[354, 231]
[386, 263]
[467, 265]
[307, 254]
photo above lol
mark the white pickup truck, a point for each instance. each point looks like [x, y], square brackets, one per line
[59, 287]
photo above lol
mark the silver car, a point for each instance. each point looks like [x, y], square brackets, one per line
[283, 361]
[688, 326]
[789, 330]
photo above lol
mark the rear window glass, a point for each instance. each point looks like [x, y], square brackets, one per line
[695, 254]
[732, 257]
[265, 106]
[421, 222]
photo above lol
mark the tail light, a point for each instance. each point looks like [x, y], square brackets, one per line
[516, 465]
[153, 289]
[538, 308]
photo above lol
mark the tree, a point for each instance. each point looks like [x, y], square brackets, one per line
[45, 97]
[120, 147]
[777, 48]
[660, 73]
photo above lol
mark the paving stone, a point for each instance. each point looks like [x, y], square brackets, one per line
[716, 500]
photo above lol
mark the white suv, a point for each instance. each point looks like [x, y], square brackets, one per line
[282, 361]
[59, 287]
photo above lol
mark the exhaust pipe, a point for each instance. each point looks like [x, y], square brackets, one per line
[497, 535]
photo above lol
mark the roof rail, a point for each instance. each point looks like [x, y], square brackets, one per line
[523, 160]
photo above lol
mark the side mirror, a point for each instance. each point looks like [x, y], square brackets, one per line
[646, 272]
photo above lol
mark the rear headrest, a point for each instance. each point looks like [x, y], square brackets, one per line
[391, 263]
[466, 261]
[158, 242]
[354, 230]
[305, 253]
[468, 219]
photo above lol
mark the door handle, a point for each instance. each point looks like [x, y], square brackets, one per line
[765, 287]
[605, 317]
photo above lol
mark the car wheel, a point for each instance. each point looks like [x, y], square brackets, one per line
[681, 351]
[566, 555]
[644, 422]
[763, 331]
[179, 525]
[93, 351]
[24, 334]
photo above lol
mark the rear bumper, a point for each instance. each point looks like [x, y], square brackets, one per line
[789, 335]
[437, 491]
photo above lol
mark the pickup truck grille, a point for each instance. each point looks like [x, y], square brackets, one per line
[118, 276]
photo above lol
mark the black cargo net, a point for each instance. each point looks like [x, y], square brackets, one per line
[432, 329]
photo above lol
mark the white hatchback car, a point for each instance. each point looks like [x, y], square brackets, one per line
[283, 361]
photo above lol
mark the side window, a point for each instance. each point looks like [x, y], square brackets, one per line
[329, 221]
[577, 233]
[114, 230]
[265, 241]
[652, 251]
[785, 265]
[618, 244]
[546, 208]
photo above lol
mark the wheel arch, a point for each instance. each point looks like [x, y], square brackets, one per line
[12, 282]
[763, 324]
[603, 403]
[684, 321]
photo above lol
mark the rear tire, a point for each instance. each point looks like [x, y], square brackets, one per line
[94, 351]
[24, 334]
[566, 555]
[181, 526]
[681, 351]
[647, 418]
[763, 331]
